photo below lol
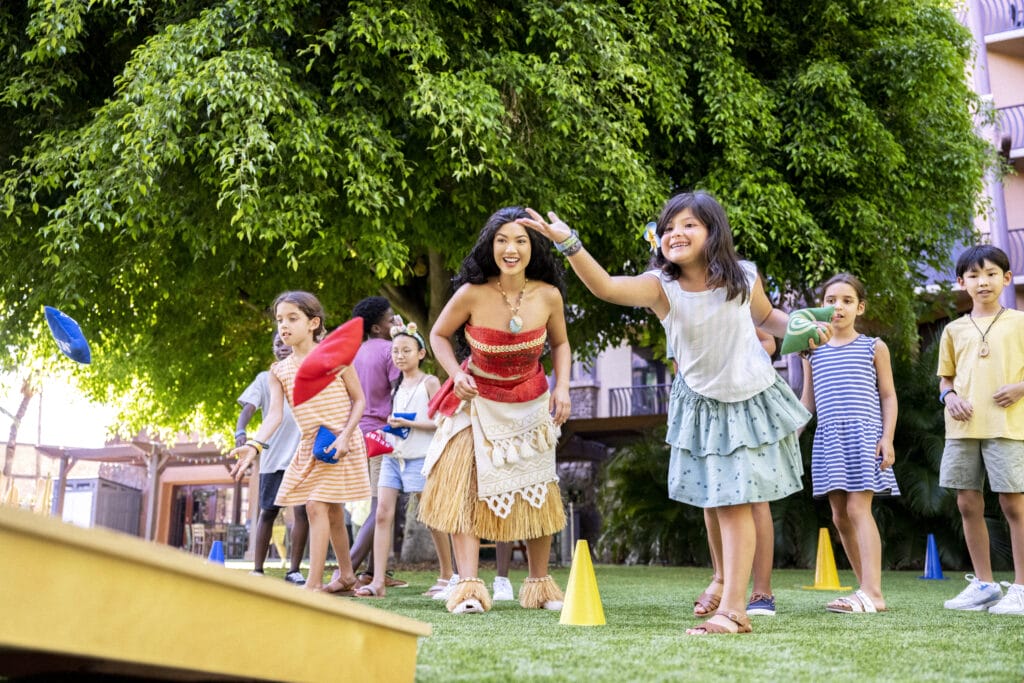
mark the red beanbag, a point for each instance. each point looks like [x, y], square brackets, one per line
[321, 366]
[377, 444]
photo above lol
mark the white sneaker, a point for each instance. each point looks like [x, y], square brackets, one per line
[1012, 602]
[447, 592]
[296, 578]
[502, 589]
[977, 597]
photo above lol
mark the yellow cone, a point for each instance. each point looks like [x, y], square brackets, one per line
[12, 497]
[582, 606]
[826, 578]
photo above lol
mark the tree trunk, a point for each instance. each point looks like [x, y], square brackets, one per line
[27, 392]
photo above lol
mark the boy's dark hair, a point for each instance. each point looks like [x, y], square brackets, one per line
[976, 256]
[370, 310]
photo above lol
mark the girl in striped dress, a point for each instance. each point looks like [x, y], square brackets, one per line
[322, 487]
[849, 382]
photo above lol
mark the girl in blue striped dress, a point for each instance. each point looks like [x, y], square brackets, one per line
[848, 382]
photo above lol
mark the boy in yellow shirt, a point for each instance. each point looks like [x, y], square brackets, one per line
[981, 365]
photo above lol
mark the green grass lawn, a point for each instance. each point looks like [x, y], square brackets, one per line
[648, 608]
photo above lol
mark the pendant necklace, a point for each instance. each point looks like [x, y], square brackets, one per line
[984, 350]
[515, 324]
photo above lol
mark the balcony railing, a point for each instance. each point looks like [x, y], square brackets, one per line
[646, 400]
[1011, 122]
[1016, 251]
[998, 16]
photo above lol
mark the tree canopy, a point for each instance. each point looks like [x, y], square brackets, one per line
[169, 167]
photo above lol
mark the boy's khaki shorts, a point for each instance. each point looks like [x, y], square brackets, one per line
[966, 461]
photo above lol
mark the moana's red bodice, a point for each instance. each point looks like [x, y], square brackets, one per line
[506, 367]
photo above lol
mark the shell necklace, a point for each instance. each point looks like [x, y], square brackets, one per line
[984, 350]
[515, 323]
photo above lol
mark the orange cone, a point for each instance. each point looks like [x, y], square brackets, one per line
[582, 605]
[826, 578]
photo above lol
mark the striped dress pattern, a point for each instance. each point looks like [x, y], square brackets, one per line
[309, 479]
[849, 420]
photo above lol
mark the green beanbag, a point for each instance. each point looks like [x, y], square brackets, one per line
[802, 328]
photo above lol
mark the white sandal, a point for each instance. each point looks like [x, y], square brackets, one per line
[858, 603]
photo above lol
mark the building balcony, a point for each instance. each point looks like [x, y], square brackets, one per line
[1016, 251]
[1011, 126]
[1001, 20]
[642, 400]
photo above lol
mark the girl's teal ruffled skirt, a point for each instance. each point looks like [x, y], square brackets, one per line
[734, 453]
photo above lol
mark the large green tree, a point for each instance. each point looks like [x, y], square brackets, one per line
[168, 167]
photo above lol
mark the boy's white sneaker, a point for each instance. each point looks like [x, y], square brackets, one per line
[447, 592]
[1012, 602]
[977, 597]
[502, 589]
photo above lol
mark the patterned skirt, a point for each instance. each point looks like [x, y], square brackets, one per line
[734, 453]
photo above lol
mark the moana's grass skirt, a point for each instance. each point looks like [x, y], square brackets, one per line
[449, 501]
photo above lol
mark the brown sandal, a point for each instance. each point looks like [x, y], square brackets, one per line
[707, 602]
[709, 627]
[336, 587]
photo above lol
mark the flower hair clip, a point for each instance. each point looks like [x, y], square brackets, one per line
[650, 235]
[410, 330]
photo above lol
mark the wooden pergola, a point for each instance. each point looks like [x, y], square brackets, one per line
[154, 455]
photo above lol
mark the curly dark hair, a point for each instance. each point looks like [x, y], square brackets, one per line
[479, 264]
[723, 262]
[370, 310]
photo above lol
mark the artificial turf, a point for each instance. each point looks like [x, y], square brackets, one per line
[647, 610]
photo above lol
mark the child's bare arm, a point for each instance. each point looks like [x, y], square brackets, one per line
[887, 398]
[642, 291]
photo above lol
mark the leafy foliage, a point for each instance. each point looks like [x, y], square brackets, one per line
[172, 166]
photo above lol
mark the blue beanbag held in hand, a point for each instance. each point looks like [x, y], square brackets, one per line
[400, 432]
[802, 328]
[324, 438]
[68, 335]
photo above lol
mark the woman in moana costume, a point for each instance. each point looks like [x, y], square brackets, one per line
[491, 465]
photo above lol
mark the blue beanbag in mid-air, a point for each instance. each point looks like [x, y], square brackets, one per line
[68, 335]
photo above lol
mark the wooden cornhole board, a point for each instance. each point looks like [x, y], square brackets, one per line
[97, 601]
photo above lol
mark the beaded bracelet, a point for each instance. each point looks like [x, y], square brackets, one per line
[568, 243]
[573, 249]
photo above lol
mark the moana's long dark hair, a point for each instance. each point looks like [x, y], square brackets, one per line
[479, 264]
[723, 262]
